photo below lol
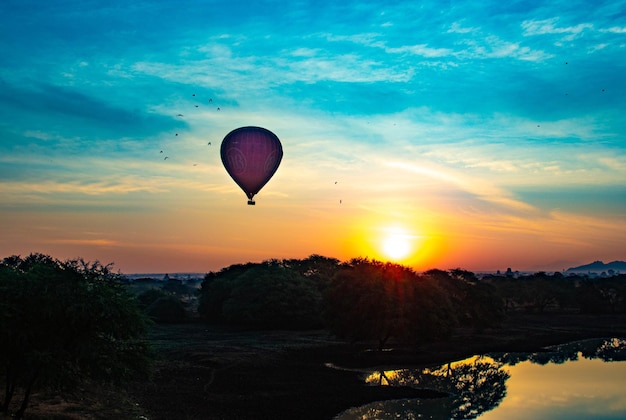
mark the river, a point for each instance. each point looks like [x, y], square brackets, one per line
[580, 380]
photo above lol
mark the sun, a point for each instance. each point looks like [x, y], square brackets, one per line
[397, 243]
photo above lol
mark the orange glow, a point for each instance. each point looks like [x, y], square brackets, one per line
[396, 242]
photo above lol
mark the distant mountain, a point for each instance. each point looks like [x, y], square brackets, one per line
[599, 266]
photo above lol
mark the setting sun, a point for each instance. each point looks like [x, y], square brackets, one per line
[397, 243]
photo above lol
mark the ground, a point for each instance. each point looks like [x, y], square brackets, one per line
[206, 372]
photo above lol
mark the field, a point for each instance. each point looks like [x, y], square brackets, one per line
[207, 372]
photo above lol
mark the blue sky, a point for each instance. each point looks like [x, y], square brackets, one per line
[492, 134]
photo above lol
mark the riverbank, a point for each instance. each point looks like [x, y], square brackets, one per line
[207, 372]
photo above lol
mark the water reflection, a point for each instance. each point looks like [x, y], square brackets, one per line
[608, 350]
[475, 385]
[479, 384]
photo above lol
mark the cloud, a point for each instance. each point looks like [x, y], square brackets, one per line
[480, 188]
[499, 48]
[347, 68]
[89, 188]
[549, 27]
[82, 110]
[615, 30]
[584, 229]
[86, 242]
[367, 39]
[299, 65]
[457, 28]
[476, 47]
[421, 50]
[614, 163]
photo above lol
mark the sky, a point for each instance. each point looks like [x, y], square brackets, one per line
[478, 135]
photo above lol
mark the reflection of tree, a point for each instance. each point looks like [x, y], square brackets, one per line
[480, 387]
[543, 358]
[475, 387]
[539, 358]
[613, 349]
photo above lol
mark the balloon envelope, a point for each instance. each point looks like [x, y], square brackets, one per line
[251, 156]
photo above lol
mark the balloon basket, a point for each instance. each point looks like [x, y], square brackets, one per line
[251, 202]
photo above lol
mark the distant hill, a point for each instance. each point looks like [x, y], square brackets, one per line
[164, 276]
[599, 266]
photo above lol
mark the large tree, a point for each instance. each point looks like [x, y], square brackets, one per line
[271, 294]
[369, 300]
[375, 300]
[65, 321]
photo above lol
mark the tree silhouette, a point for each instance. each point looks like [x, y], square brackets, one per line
[266, 295]
[373, 300]
[62, 322]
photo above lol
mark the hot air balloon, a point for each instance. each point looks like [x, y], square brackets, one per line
[251, 156]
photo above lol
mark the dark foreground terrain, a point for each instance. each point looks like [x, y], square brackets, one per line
[216, 373]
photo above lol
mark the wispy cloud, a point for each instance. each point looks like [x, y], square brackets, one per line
[458, 28]
[482, 189]
[86, 242]
[615, 30]
[76, 187]
[495, 47]
[550, 27]
[474, 44]
[422, 50]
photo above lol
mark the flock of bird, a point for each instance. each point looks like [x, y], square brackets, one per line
[179, 115]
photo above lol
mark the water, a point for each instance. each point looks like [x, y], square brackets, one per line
[581, 380]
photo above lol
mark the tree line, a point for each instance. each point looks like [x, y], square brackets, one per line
[364, 299]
